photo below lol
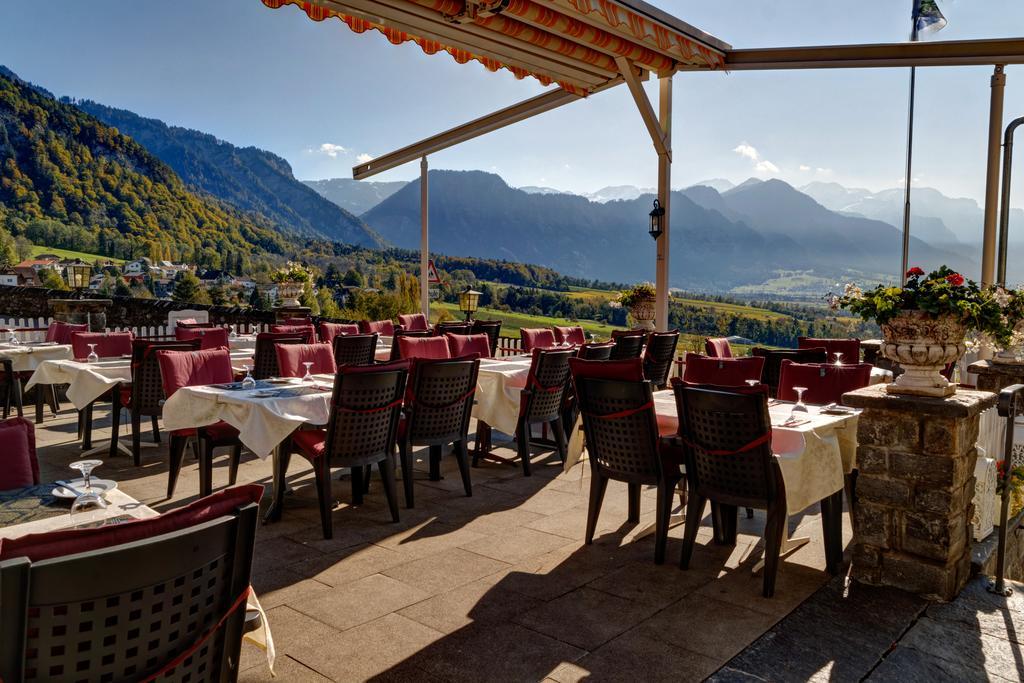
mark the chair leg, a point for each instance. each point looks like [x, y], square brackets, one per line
[367, 472]
[282, 455]
[195, 448]
[115, 428]
[483, 441]
[136, 438]
[39, 403]
[53, 400]
[85, 415]
[523, 445]
[832, 531]
[773, 531]
[357, 485]
[664, 513]
[405, 453]
[634, 503]
[236, 457]
[435, 463]
[694, 508]
[558, 429]
[19, 397]
[177, 454]
[750, 513]
[387, 475]
[156, 429]
[462, 456]
[322, 471]
[598, 485]
[724, 521]
[205, 466]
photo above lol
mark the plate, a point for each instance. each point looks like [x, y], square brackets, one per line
[282, 380]
[266, 393]
[100, 485]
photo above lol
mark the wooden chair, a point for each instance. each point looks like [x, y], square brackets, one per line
[421, 344]
[328, 331]
[468, 344]
[436, 413]
[536, 338]
[492, 328]
[623, 444]
[384, 328]
[209, 337]
[659, 356]
[773, 362]
[413, 321]
[365, 408]
[355, 349]
[264, 363]
[571, 335]
[717, 347]
[307, 331]
[290, 359]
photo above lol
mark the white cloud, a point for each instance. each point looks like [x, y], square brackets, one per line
[761, 165]
[805, 167]
[364, 158]
[765, 166]
[745, 150]
[823, 171]
[332, 150]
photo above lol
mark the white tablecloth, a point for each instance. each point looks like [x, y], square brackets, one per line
[262, 423]
[27, 357]
[813, 456]
[243, 342]
[498, 386]
[88, 381]
[121, 504]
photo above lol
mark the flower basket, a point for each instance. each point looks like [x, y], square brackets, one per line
[289, 292]
[923, 346]
[640, 300]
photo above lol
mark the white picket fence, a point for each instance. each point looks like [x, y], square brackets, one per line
[34, 329]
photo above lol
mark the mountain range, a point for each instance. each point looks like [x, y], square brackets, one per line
[357, 196]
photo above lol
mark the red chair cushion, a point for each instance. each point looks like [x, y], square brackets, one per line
[60, 332]
[297, 321]
[726, 372]
[290, 358]
[209, 337]
[384, 328]
[193, 368]
[536, 338]
[413, 321]
[465, 344]
[44, 546]
[108, 344]
[307, 330]
[718, 347]
[125, 395]
[311, 443]
[850, 348]
[328, 331]
[825, 382]
[573, 335]
[430, 348]
[19, 466]
[626, 370]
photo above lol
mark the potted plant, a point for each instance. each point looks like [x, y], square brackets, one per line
[639, 300]
[1010, 479]
[1011, 341]
[291, 281]
[924, 324]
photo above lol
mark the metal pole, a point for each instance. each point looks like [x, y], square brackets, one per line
[995, 128]
[664, 192]
[905, 263]
[1004, 202]
[424, 240]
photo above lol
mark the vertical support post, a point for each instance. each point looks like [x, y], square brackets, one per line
[664, 192]
[905, 262]
[424, 240]
[995, 130]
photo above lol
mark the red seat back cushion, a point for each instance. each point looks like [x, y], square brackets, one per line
[430, 348]
[18, 464]
[194, 368]
[328, 331]
[465, 344]
[296, 321]
[290, 359]
[108, 344]
[537, 338]
[307, 330]
[413, 321]
[850, 348]
[626, 370]
[573, 335]
[384, 328]
[44, 546]
[718, 348]
[728, 372]
[825, 382]
[60, 332]
[209, 337]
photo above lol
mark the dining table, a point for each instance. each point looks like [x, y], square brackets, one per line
[26, 356]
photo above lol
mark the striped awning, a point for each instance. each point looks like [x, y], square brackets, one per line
[572, 43]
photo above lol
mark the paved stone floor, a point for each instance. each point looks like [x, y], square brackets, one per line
[500, 587]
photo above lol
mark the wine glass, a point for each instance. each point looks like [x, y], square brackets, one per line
[839, 357]
[308, 377]
[233, 334]
[752, 382]
[248, 382]
[800, 406]
[13, 339]
[93, 356]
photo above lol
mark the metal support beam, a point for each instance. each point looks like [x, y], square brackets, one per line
[656, 129]
[995, 131]
[424, 240]
[664, 192]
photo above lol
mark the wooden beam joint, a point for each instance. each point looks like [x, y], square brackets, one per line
[659, 136]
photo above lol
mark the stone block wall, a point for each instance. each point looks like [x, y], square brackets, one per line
[915, 489]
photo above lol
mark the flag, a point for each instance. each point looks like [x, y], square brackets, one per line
[927, 18]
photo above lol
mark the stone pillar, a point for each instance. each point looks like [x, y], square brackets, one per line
[282, 313]
[915, 488]
[995, 377]
[80, 311]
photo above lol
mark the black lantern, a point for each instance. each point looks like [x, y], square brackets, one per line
[657, 214]
[468, 301]
[77, 273]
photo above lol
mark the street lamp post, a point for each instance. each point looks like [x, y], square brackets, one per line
[468, 302]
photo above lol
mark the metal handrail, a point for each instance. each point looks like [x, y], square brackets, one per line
[1011, 404]
[1004, 210]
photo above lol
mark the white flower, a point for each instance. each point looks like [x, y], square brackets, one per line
[833, 302]
[1002, 297]
[852, 291]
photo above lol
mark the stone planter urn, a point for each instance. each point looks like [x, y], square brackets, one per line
[642, 313]
[1014, 355]
[289, 292]
[923, 346]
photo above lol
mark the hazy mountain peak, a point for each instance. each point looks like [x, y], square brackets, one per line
[718, 184]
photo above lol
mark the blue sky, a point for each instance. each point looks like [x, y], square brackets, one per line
[320, 96]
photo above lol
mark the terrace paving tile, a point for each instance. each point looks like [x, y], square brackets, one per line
[515, 546]
[360, 601]
[586, 618]
[633, 657]
[445, 570]
[485, 600]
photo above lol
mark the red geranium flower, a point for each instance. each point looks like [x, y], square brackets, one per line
[955, 279]
[915, 272]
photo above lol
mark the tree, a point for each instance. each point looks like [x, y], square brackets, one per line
[8, 250]
[188, 289]
[353, 278]
[218, 295]
[308, 298]
[51, 279]
[23, 247]
[328, 306]
[122, 288]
